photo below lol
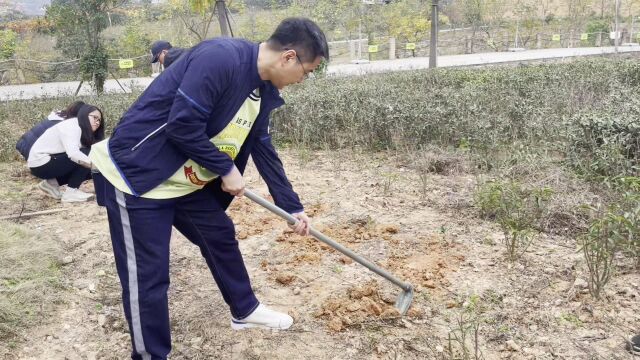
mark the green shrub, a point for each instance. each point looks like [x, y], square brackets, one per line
[614, 230]
[485, 107]
[598, 26]
[8, 43]
[518, 211]
[599, 246]
[628, 209]
[485, 110]
[93, 67]
[606, 142]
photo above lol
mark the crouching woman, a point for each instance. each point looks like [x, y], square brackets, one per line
[59, 156]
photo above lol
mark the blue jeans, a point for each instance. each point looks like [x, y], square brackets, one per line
[140, 233]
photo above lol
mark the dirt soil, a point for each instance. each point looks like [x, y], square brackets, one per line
[536, 308]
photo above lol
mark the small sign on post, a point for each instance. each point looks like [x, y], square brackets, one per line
[373, 48]
[125, 63]
[555, 37]
[584, 37]
[410, 46]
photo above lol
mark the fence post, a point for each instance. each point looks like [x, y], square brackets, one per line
[392, 48]
[467, 47]
[538, 41]
[599, 39]
[571, 39]
[352, 50]
[20, 75]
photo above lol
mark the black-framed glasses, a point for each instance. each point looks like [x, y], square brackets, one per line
[95, 118]
[305, 74]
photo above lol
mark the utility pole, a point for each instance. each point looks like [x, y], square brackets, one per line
[617, 36]
[221, 9]
[433, 45]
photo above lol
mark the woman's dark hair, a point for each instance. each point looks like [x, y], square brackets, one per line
[302, 35]
[71, 110]
[89, 137]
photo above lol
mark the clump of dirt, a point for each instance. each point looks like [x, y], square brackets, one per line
[361, 304]
[248, 221]
[285, 278]
[358, 231]
[355, 231]
[309, 250]
[307, 257]
[429, 266]
[316, 209]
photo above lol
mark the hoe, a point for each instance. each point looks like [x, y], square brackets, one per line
[406, 296]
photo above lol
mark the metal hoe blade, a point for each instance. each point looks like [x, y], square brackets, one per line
[403, 302]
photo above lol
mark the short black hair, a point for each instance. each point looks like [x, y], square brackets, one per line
[302, 35]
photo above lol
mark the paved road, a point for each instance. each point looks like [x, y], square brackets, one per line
[16, 92]
[475, 59]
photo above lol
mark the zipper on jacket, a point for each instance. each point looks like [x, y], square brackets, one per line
[147, 137]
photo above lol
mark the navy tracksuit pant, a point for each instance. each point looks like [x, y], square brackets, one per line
[140, 233]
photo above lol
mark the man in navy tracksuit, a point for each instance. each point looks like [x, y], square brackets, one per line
[177, 157]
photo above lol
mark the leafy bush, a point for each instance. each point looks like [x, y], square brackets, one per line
[482, 108]
[598, 26]
[615, 230]
[93, 66]
[133, 41]
[516, 209]
[599, 246]
[8, 43]
[606, 142]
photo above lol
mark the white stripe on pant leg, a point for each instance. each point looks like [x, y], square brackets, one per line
[132, 271]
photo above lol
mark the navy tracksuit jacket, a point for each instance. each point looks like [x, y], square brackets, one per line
[172, 121]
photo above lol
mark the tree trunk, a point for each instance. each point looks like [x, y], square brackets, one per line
[221, 8]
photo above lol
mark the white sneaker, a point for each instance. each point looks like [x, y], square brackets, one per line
[263, 317]
[75, 195]
[50, 190]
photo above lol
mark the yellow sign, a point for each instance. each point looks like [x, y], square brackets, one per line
[638, 35]
[584, 36]
[555, 37]
[373, 48]
[410, 46]
[125, 63]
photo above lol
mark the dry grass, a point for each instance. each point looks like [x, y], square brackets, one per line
[29, 278]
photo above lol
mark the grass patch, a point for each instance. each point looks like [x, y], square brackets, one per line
[30, 279]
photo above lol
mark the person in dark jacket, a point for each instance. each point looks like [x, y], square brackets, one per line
[172, 55]
[163, 52]
[159, 49]
[176, 158]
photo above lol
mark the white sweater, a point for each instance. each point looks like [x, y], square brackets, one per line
[54, 116]
[60, 138]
